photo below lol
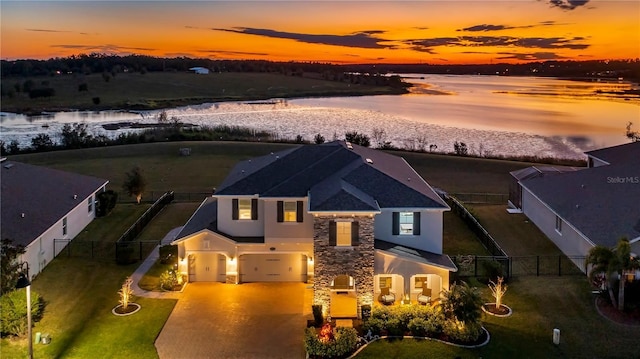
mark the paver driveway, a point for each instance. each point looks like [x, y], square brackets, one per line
[251, 320]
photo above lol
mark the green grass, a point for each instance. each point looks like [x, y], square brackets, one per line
[539, 305]
[80, 293]
[168, 89]
[457, 238]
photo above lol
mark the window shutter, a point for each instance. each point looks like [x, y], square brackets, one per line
[355, 233]
[280, 211]
[332, 233]
[254, 208]
[300, 212]
[234, 209]
[395, 228]
[416, 223]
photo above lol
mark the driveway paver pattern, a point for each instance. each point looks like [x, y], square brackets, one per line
[251, 320]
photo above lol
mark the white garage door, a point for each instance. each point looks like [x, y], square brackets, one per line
[273, 268]
[207, 267]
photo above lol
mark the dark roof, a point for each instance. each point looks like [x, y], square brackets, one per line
[336, 176]
[206, 218]
[44, 195]
[626, 153]
[602, 202]
[439, 260]
[535, 171]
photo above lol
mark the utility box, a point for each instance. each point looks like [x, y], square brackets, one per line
[556, 336]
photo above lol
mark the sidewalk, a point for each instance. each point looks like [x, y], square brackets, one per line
[147, 264]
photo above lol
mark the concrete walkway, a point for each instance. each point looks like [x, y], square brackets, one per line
[147, 264]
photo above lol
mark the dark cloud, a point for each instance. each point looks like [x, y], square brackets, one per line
[427, 45]
[362, 39]
[534, 56]
[490, 27]
[56, 31]
[568, 4]
[106, 48]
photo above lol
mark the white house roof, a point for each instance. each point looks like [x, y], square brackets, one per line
[44, 195]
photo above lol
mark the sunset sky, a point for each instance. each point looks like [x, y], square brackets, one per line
[443, 32]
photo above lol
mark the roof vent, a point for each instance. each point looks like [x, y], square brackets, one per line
[277, 157]
[8, 165]
[408, 178]
[349, 145]
[22, 215]
[242, 171]
[582, 185]
[369, 160]
[75, 196]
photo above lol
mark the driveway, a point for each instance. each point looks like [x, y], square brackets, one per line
[251, 320]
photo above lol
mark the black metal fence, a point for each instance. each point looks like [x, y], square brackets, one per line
[154, 196]
[485, 238]
[146, 217]
[520, 266]
[482, 198]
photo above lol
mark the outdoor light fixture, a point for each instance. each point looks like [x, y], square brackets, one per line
[23, 282]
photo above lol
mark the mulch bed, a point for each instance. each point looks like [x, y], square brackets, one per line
[607, 310]
[502, 310]
[132, 307]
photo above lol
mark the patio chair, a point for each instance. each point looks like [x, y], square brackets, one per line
[386, 297]
[425, 296]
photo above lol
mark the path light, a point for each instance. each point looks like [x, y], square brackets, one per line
[23, 282]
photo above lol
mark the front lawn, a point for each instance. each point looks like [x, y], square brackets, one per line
[540, 304]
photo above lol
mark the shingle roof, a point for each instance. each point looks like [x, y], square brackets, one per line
[626, 153]
[602, 202]
[439, 260]
[44, 195]
[336, 177]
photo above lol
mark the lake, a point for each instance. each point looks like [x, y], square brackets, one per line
[493, 115]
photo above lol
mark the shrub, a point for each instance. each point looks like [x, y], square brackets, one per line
[463, 303]
[460, 332]
[13, 312]
[344, 342]
[492, 269]
[125, 253]
[170, 279]
[42, 92]
[317, 314]
[83, 87]
[106, 202]
[375, 325]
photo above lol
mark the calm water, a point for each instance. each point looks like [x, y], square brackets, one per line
[493, 115]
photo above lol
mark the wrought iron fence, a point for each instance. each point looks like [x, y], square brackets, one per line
[485, 238]
[518, 266]
[153, 196]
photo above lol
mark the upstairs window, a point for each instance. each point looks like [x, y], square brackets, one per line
[64, 226]
[558, 224]
[344, 233]
[406, 223]
[245, 208]
[290, 211]
[90, 204]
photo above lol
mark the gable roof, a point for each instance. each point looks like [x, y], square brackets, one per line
[625, 153]
[44, 195]
[601, 202]
[336, 176]
[418, 255]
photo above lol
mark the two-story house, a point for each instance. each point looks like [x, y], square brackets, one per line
[350, 219]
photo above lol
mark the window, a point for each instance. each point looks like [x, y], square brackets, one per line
[419, 282]
[406, 223]
[290, 211]
[559, 224]
[385, 282]
[64, 226]
[245, 208]
[343, 234]
[90, 204]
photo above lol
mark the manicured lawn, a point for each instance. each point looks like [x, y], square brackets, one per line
[169, 89]
[540, 304]
[80, 293]
[457, 238]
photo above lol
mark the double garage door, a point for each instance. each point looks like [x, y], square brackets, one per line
[273, 268]
[211, 267]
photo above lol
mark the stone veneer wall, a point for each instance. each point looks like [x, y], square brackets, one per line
[331, 261]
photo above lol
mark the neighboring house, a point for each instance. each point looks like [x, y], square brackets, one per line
[41, 205]
[200, 70]
[350, 219]
[581, 208]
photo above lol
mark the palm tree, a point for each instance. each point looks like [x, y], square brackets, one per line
[463, 303]
[612, 263]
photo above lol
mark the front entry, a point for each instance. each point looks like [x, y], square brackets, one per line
[289, 267]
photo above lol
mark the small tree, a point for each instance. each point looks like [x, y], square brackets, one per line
[163, 117]
[318, 139]
[126, 293]
[135, 184]
[460, 148]
[357, 138]
[498, 289]
[13, 312]
[634, 136]
[463, 303]
[42, 142]
[9, 270]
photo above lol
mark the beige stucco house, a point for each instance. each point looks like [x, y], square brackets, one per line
[349, 219]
